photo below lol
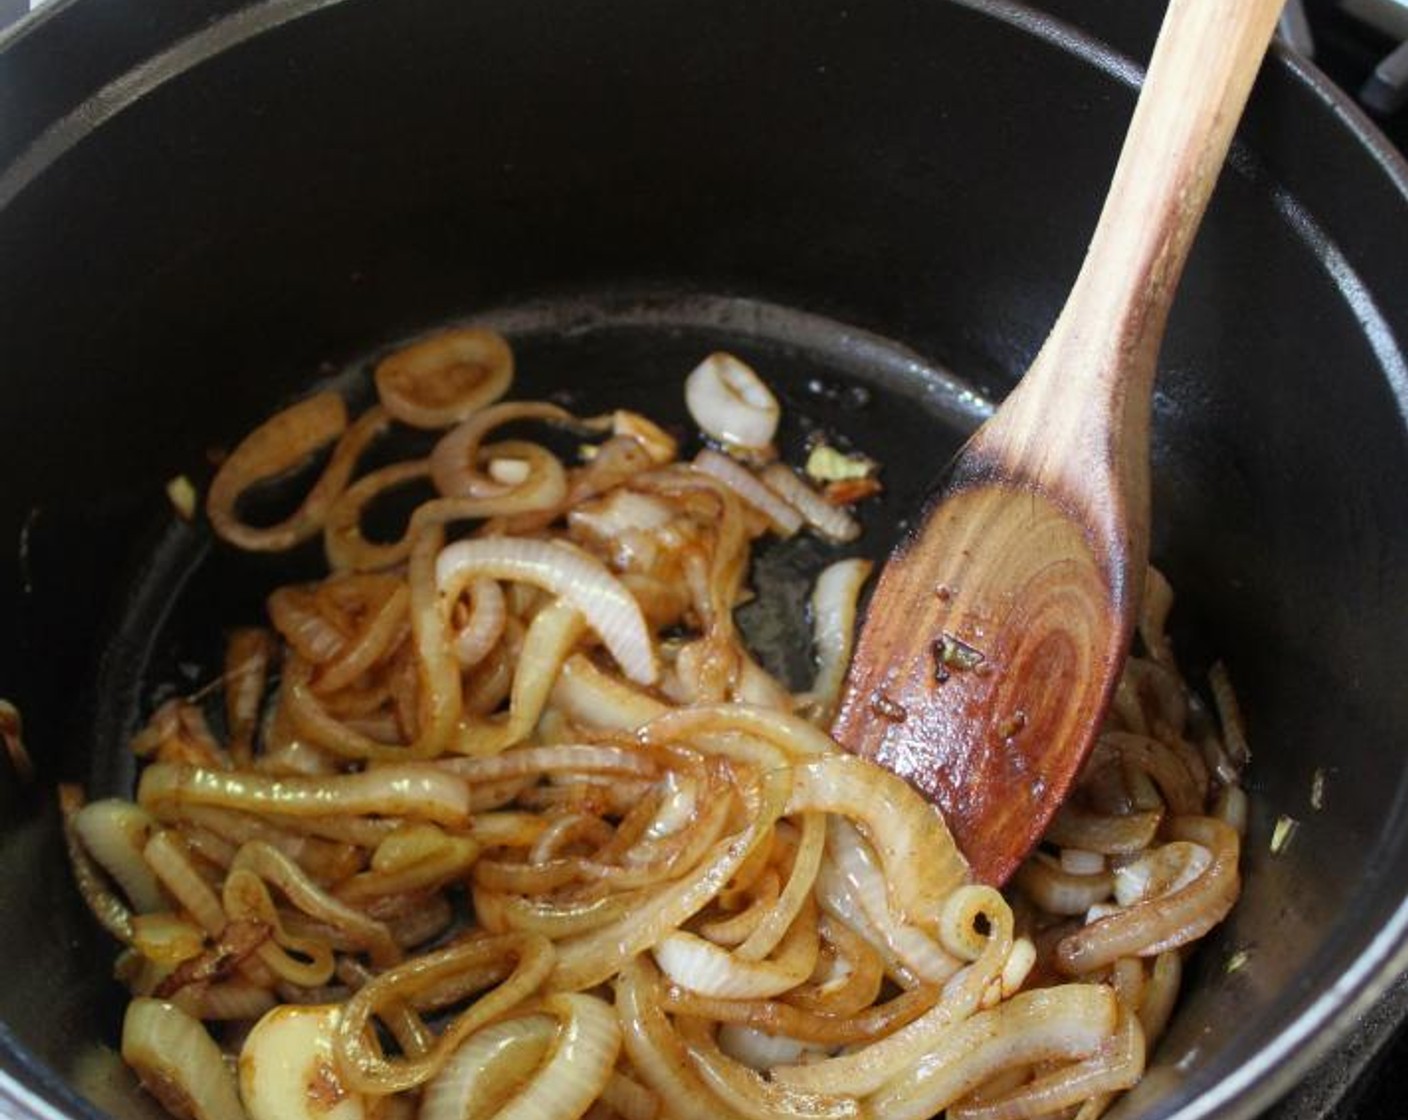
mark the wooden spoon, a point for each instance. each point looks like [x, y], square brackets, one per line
[998, 629]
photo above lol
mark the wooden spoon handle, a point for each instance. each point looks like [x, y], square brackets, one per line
[1104, 345]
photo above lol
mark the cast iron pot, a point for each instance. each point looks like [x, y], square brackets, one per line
[208, 205]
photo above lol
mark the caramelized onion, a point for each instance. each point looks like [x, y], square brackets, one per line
[565, 571]
[445, 378]
[280, 444]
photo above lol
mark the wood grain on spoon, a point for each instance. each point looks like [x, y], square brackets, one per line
[998, 629]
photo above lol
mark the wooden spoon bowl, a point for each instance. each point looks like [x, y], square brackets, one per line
[999, 627]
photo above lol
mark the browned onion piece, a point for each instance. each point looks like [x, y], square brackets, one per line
[1058, 891]
[360, 1057]
[445, 378]
[455, 460]
[1076, 827]
[1163, 923]
[281, 444]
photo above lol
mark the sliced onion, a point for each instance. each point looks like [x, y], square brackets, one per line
[730, 402]
[248, 654]
[1168, 921]
[227, 1001]
[168, 856]
[288, 1068]
[281, 444]
[568, 572]
[166, 938]
[800, 739]
[454, 462]
[567, 758]
[1159, 871]
[445, 378]
[274, 867]
[1052, 1024]
[832, 522]
[591, 959]
[922, 863]
[550, 638]
[178, 1062]
[485, 625]
[360, 1058]
[1125, 834]
[413, 790]
[914, 948]
[835, 598]
[658, 443]
[701, 966]
[1059, 891]
[111, 912]
[593, 699]
[488, 1069]
[578, 1064]
[782, 517]
[658, 1055]
[751, 1095]
[759, 1050]
[865, 1070]
[115, 833]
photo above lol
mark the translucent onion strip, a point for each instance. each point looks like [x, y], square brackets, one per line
[830, 521]
[1052, 1024]
[1165, 922]
[367, 1069]
[921, 860]
[455, 460]
[834, 602]
[420, 791]
[488, 1069]
[115, 833]
[782, 518]
[565, 571]
[178, 1062]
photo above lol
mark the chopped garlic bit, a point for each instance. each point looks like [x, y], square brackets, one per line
[1237, 961]
[1317, 789]
[1282, 833]
[182, 494]
[826, 464]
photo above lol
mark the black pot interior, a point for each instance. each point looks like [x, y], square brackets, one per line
[851, 195]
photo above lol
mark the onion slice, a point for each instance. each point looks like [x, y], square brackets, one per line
[178, 1062]
[445, 378]
[730, 402]
[281, 444]
[288, 1070]
[410, 790]
[783, 517]
[565, 571]
[830, 521]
